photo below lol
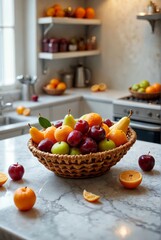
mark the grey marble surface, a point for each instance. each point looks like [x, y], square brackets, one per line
[62, 213]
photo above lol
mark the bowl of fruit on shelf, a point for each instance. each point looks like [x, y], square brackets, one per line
[145, 90]
[80, 148]
[55, 87]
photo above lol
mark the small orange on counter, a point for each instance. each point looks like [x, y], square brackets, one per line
[95, 88]
[90, 197]
[130, 179]
[26, 112]
[24, 198]
[3, 178]
[20, 110]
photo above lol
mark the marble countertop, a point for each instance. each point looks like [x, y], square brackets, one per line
[62, 213]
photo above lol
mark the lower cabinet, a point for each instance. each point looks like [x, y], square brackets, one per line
[58, 112]
[105, 109]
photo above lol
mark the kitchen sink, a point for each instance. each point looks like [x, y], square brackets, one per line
[7, 120]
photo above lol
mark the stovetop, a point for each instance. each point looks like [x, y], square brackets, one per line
[149, 101]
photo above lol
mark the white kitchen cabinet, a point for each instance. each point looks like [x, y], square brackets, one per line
[58, 112]
[105, 109]
[44, 111]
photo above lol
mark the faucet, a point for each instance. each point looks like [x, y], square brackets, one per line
[3, 105]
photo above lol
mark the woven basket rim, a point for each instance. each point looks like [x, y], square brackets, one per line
[144, 95]
[33, 148]
[53, 91]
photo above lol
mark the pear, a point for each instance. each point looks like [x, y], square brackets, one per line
[69, 120]
[123, 123]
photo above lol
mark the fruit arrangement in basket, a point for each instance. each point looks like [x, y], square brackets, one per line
[83, 147]
[145, 90]
[55, 87]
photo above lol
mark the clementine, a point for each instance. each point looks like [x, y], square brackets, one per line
[50, 12]
[61, 86]
[118, 137]
[80, 12]
[89, 13]
[157, 87]
[49, 133]
[60, 13]
[93, 119]
[95, 88]
[20, 110]
[3, 178]
[130, 179]
[150, 89]
[54, 82]
[90, 197]
[24, 198]
[50, 86]
[62, 132]
[26, 112]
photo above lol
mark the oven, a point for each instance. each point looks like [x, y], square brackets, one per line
[146, 117]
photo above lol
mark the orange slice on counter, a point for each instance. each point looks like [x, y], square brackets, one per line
[95, 88]
[130, 179]
[102, 87]
[3, 178]
[90, 197]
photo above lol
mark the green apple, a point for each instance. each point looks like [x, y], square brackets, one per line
[135, 87]
[141, 90]
[60, 148]
[105, 145]
[74, 151]
[144, 84]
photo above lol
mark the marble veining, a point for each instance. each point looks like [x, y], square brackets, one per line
[62, 213]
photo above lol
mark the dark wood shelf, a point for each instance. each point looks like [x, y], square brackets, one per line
[151, 18]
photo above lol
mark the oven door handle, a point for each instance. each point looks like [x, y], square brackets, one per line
[148, 127]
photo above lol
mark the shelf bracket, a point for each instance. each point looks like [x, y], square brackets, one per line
[152, 23]
[46, 30]
[44, 67]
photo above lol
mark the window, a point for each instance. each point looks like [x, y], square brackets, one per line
[7, 43]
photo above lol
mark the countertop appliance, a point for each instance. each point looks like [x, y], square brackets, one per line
[146, 117]
[82, 76]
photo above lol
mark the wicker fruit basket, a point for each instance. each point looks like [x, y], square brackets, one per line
[53, 91]
[83, 166]
[143, 95]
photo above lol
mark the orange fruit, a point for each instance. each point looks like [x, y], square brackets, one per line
[54, 82]
[95, 88]
[102, 87]
[90, 197]
[3, 178]
[24, 198]
[157, 87]
[20, 110]
[93, 119]
[49, 86]
[130, 179]
[26, 112]
[150, 89]
[49, 133]
[57, 7]
[118, 136]
[90, 13]
[62, 132]
[106, 128]
[80, 12]
[61, 86]
[50, 12]
[60, 13]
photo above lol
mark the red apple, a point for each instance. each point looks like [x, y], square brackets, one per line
[16, 171]
[146, 162]
[34, 98]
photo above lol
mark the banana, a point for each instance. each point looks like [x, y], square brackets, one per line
[123, 123]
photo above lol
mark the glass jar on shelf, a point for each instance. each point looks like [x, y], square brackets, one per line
[91, 43]
[63, 45]
[53, 45]
[45, 45]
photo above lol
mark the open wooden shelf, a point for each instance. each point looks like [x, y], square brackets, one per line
[152, 18]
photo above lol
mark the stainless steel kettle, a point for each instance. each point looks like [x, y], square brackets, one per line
[82, 76]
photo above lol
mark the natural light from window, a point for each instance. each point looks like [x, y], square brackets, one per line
[7, 44]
